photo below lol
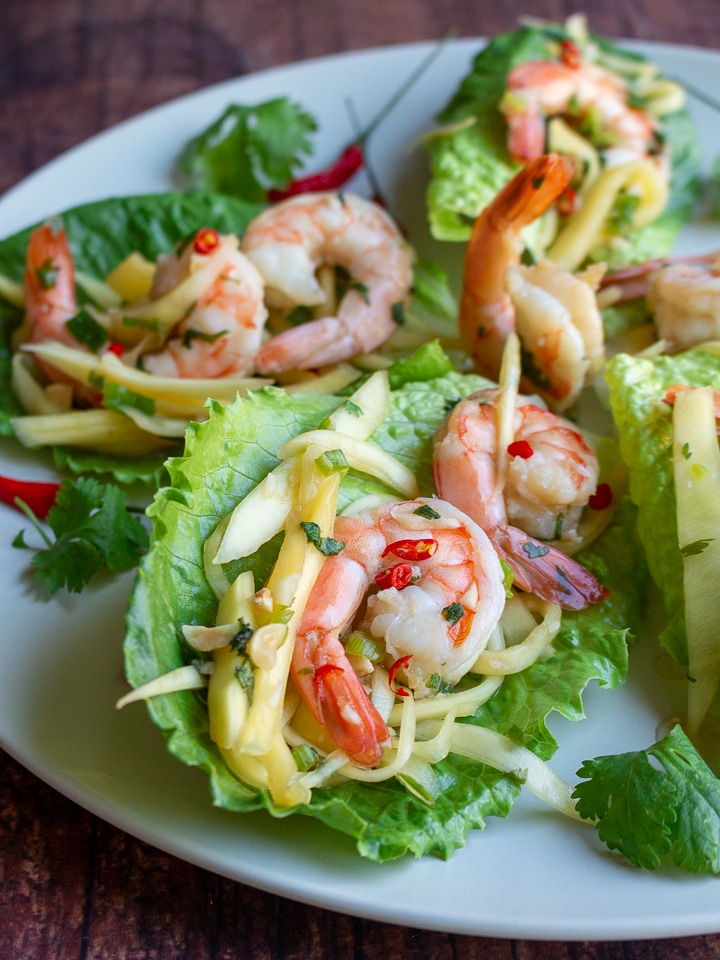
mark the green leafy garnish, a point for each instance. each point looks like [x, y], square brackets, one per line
[248, 150]
[87, 331]
[328, 546]
[93, 530]
[655, 803]
[116, 396]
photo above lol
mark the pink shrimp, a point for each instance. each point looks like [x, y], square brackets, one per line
[222, 333]
[290, 240]
[551, 473]
[539, 89]
[487, 313]
[49, 282]
[440, 595]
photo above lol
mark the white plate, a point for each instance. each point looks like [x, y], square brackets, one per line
[535, 876]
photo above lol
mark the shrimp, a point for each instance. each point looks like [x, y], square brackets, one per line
[223, 331]
[49, 282]
[440, 596]
[685, 302]
[550, 475]
[290, 240]
[539, 89]
[561, 328]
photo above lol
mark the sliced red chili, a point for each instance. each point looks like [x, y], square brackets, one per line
[520, 448]
[398, 576]
[602, 497]
[206, 240]
[567, 203]
[570, 54]
[411, 549]
[400, 664]
[332, 178]
[326, 670]
[39, 496]
[117, 348]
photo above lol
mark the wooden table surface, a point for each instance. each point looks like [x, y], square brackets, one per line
[71, 885]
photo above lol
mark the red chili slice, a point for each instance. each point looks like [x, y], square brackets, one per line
[411, 549]
[567, 203]
[520, 448]
[400, 664]
[117, 348]
[38, 495]
[570, 54]
[398, 576]
[602, 497]
[206, 240]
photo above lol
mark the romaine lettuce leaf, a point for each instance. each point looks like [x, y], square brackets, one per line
[224, 458]
[101, 235]
[470, 161]
[637, 388]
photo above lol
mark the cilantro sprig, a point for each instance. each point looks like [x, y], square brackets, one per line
[655, 803]
[91, 530]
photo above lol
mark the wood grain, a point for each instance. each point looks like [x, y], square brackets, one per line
[72, 886]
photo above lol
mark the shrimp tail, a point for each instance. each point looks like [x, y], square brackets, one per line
[337, 699]
[487, 316]
[548, 572]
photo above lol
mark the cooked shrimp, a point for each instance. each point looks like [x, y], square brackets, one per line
[561, 327]
[440, 595]
[49, 282]
[685, 302]
[540, 89]
[223, 331]
[290, 240]
[550, 474]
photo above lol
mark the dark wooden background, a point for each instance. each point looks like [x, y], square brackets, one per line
[71, 886]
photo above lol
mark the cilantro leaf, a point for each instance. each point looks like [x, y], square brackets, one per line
[93, 530]
[248, 150]
[654, 803]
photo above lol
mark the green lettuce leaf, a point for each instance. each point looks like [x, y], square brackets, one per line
[225, 458]
[470, 161]
[101, 235]
[637, 387]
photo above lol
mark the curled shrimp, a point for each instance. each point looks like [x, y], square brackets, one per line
[550, 474]
[221, 334]
[554, 311]
[49, 282]
[684, 299]
[539, 89]
[290, 240]
[421, 576]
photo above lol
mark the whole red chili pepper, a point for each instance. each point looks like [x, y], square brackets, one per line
[352, 159]
[38, 495]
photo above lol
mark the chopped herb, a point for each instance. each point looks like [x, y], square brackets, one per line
[622, 214]
[305, 757]
[245, 676]
[686, 451]
[361, 644]
[47, 274]
[435, 682]
[144, 323]
[353, 409]
[508, 577]
[534, 549]
[332, 461]
[116, 396]
[191, 334]
[398, 314]
[362, 289]
[299, 315]
[327, 546]
[240, 641]
[695, 548]
[87, 331]
[427, 512]
[454, 612]
[558, 526]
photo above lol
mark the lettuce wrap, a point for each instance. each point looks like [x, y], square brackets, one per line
[470, 160]
[101, 235]
[645, 424]
[225, 458]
